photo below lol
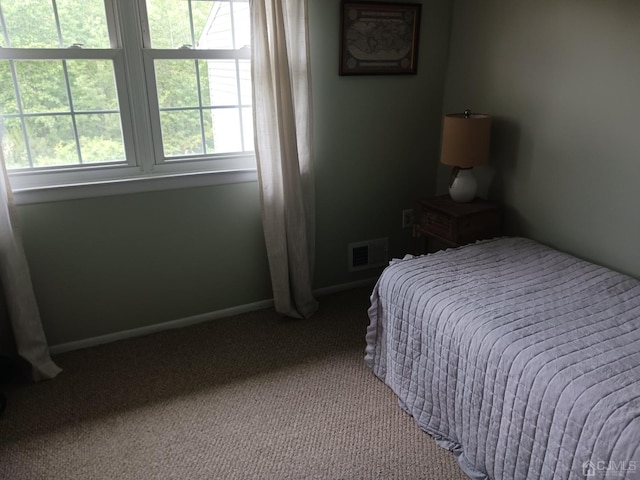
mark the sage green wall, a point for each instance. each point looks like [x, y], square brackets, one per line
[376, 140]
[106, 264]
[561, 79]
[102, 265]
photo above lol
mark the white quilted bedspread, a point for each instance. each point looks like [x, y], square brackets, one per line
[523, 360]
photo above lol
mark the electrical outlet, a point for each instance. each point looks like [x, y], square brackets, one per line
[407, 218]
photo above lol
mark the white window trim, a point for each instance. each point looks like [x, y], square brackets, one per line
[145, 169]
[133, 184]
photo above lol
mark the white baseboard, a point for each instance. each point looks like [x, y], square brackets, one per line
[159, 327]
[193, 320]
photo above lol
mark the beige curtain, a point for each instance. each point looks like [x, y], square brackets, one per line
[283, 143]
[23, 322]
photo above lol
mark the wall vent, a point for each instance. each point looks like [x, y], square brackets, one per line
[368, 254]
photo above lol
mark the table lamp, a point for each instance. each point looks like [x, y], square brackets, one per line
[465, 144]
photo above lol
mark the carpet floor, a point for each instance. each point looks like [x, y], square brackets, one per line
[253, 396]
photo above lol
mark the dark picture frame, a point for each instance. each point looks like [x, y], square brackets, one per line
[379, 38]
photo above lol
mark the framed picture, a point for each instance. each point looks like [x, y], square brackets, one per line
[379, 38]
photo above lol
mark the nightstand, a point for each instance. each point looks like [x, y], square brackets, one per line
[457, 224]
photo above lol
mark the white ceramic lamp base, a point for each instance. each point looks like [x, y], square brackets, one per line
[463, 185]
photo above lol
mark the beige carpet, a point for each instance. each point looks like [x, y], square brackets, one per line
[248, 397]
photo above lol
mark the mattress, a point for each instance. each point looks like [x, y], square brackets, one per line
[523, 360]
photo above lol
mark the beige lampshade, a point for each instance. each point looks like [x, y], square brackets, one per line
[465, 139]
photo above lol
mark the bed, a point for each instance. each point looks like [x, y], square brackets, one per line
[522, 360]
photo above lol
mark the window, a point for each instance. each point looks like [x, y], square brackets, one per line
[99, 90]
[197, 96]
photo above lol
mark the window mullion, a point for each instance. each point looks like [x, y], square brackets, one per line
[3, 24]
[74, 123]
[23, 123]
[191, 27]
[200, 109]
[57, 19]
[233, 25]
[67, 84]
[113, 26]
[203, 140]
[136, 99]
[240, 105]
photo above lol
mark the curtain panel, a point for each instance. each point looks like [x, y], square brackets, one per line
[284, 150]
[23, 317]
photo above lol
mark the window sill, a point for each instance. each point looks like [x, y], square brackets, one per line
[139, 184]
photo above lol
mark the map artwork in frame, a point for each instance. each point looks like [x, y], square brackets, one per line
[379, 38]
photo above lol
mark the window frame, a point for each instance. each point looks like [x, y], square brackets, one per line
[145, 168]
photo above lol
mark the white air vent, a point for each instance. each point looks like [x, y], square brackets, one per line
[368, 254]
